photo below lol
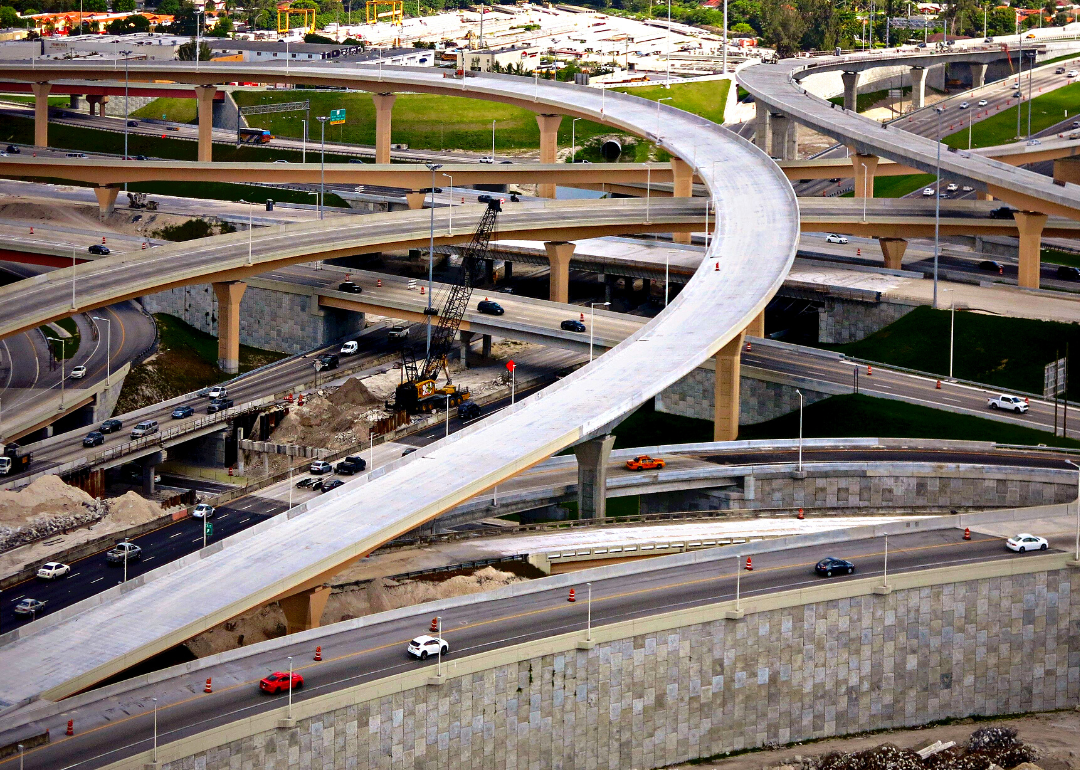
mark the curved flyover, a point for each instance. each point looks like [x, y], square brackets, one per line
[747, 261]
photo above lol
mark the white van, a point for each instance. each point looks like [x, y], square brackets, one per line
[349, 348]
[144, 428]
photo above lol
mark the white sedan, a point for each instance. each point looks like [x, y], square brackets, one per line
[78, 372]
[203, 511]
[928, 192]
[53, 570]
[983, 102]
[1071, 74]
[964, 105]
[952, 187]
[1026, 542]
[834, 238]
[425, 646]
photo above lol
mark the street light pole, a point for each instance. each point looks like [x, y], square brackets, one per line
[63, 353]
[952, 334]
[322, 163]
[886, 575]
[738, 575]
[588, 622]
[493, 141]
[431, 248]
[573, 140]
[937, 207]
[249, 205]
[155, 731]
[667, 259]
[108, 349]
[592, 323]
[439, 668]
[665, 99]
[303, 143]
[668, 85]
[450, 209]
[290, 687]
[800, 427]
[127, 114]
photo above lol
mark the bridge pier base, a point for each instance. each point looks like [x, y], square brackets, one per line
[106, 200]
[683, 187]
[96, 104]
[384, 107]
[978, 74]
[415, 200]
[892, 249]
[41, 113]
[785, 138]
[1067, 170]
[466, 341]
[559, 253]
[204, 95]
[756, 327]
[592, 458]
[985, 196]
[865, 167]
[726, 392]
[485, 346]
[763, 128]
[229, 294]
[549, 147]
[1030, 224]
[851, 90]
[918, 87]
[303, 611]
[148, 465]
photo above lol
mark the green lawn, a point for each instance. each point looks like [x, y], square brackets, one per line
[174, 109]
[706, 98]
[1058, 257]
[63, 347]
[54, 101]
[897, 186]
[865, 101]
[1007, 352]
[1046, 110]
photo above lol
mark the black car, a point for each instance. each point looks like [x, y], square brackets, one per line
[133, 124]
[357, 462]
[97, 248]
[1002, 212]
[1067, 273]
[830, 566]
[218, 405]
[989, 264]
[305, 482]
[408, 451]
[93, 438]
[329, 361]
[468, 411]
[182, 411]
[141, 157]
[572, 326]
[110, 426]
[487, 307]
[13, 149]
[350, 287]
[1017, 93]
[345, 469]
[332, 484]
[484, 199]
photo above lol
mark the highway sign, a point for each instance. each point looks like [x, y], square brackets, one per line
[1054, 378]
[337, 117]
[209, 529]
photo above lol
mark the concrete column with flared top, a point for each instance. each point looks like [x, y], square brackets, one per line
[229, 294]
[726, 392]
[384, 106]
[549, 147]
[592, 457]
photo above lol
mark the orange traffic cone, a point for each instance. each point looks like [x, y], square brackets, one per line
[421, 291]
[300, 400]
[748, 346]
[801, 515]
[869, 370]
[582, 319]
[103, 239]
[967, 533]
[31, 230]
[749, 565]
[71, 727]
[289, 398]
[938, 386]
[1001, 270]
[378, 282]
[144, 245]
[858, 252]
[434, 625]
[572, 597]
[318, 653]
[717, 267]
[208, 688]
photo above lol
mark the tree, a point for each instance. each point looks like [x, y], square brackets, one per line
[129, 24]
[168, 7]
[9, 17]
[123, 6]
[186, 52]
[742, 28]
[783, 27]
[223, 28]
[95, 6]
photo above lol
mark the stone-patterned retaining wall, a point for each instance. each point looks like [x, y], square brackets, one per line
[841, 321]
[994, 645]
[759, 401]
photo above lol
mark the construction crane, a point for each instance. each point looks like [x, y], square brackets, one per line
[417, 392]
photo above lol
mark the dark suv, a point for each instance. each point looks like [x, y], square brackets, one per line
[1068, 273]
[219, 405]
[329, 361]
[350, 287]
[468, 411]
[110, 426]
[488, 307]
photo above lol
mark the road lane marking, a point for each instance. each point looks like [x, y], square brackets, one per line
[176, 535]
[97, 579]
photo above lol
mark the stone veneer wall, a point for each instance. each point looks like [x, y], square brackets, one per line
[269, 319]
[841, 321]
[759, 401]
[794, 672]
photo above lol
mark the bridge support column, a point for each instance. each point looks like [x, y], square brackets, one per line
[683, 174]
[981, 195]
[1067, 170]
[303, 611]
[228, 295]
[865, 166]
[851, 90]
[978, 74]
[785, 138]
[918, 87]
[592, 458]
[415, 200]
[1030, 224]
[763, 128]
[466, 342]
[757, 326]
[892, 249]
[149, 465]
[726, 391]
[106, 200]
[205, 97]
[41, 113]
[549, 147]
[485, 346]
[559, 253]
[384, 106]
[97, 104]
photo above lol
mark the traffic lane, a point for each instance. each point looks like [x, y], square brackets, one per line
[378, 651]
[885, 454]
[92, 574]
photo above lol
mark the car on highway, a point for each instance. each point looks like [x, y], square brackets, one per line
[77, 155]
[97, 248]
[93, 438]
[328, 361]
[397, 333]
[1017, 94]
[983, 102]
[1068, 273]
[425, 646]
[928, 192]
[218, 391]
[1075, 124]
[110, 426]
[831, 565]
[1059, 71]
[645, 463]
[53, 570]
[182, 411]
[487, 307]
[144, 428]
[834, 238]
[408, 451]
[203, 511]
[279, 682]
[952, 187]
[78, 372]
[1071, 74]
[1002, 212]
[305, 482]
[572, 326]
[319, 467]
[133, 124]
[487, 159]
[349, 348]
[1026, 542]
[13, 149]
[1008, 403]
[1033, 142]
[989, 264]
[967, 188]
[123, 551]
[29, 606]
[470, 410]
[964, 105]
[350, 288]
[346, 469]
[219, 405]
[331, 485]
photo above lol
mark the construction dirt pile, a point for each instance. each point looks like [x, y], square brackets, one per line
[331, 417]
[45, 212]
[345, 603]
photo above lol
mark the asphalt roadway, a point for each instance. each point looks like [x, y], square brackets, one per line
[120, 725]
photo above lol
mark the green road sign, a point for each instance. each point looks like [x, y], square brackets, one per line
[209, 529]
[337, 117]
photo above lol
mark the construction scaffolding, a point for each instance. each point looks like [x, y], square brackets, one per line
[284, 19]
[394, 15]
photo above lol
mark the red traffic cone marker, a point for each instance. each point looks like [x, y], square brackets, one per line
[572, 598]
[144, 245]
[318, 653]
[300, 400]
[378, 282]
[938, 386]
[31, 230]
[208, 688]
[421, 291]
[434, 625]
[582, 319]
[869, 370]
[749, 565]
[748, 348]
[967, 533]
[801, 515]
[717, 268]
[103, 239]
[71, 727]
[858, 252]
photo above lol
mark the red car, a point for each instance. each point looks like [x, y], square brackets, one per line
[279, 681]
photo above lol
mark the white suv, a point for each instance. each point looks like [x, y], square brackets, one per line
[1009, 403]
[425, 646]
[144, 428]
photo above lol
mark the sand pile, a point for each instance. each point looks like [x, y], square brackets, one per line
[331, 418]
[346, 603]
[131, 509]
[43, 508]
[352, 393]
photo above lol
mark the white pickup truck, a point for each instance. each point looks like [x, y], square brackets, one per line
[1009, 403]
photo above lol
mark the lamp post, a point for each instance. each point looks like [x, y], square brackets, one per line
[1070, 462]
[108, 349]
[668, 41]
[937, 206]
[198, 37]
[322, 163]
[127, 114]
[249, 205]
[588, 621]
[290, 688]
[428, 312]
[738, 576]
[724, 57]
[592, 319]
[303, 145]
[20, 745]
[573, 140]
[865, 189]
[493, 141]
[63, 353]
[155, 730]
[450, 208]
[800, 427]
[73, 276]
[667, 258]
[665, 99]
[885, 578]
[438, 670]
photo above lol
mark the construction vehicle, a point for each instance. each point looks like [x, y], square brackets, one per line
[139, 200]
[417, 393]
[14, 461]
